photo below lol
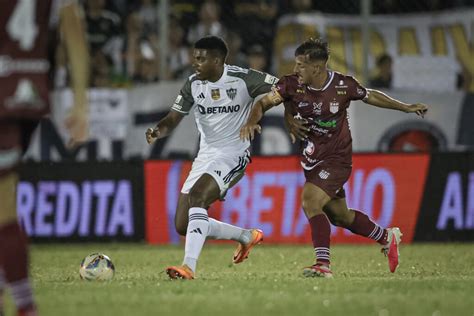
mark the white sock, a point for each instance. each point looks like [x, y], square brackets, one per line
[22, 293]
[198, 229]
[221, 230]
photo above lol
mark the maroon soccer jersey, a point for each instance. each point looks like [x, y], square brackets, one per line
[24, 64]
[325, 109]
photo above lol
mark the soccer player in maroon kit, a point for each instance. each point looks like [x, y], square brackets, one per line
[316, 101]
[24, 67]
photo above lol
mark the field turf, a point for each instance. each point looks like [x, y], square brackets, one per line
[433, 279]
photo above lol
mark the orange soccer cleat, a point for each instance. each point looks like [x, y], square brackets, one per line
[243, 250]
[180, 272]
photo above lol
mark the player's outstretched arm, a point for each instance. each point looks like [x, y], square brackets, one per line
[247, 132]
[381, 100]
[164, 127]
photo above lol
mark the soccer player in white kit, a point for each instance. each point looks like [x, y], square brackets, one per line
[221, 97]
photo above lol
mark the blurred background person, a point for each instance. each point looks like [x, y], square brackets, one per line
[383, 73]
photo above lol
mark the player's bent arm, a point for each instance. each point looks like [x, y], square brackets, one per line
[382, 100]
[264, 104]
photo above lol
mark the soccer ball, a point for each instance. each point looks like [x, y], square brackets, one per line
[97, 266]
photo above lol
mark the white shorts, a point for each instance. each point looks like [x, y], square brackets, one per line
[224, 168]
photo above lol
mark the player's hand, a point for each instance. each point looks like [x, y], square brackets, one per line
[152, 135]
[418, 108]
[247, 132]
[297, 128]
[77, 124]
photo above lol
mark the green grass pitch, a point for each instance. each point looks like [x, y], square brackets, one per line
[432, 279]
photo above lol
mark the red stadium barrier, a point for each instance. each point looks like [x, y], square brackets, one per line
[387, 187]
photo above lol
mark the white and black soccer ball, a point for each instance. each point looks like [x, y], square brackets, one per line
[97, 266]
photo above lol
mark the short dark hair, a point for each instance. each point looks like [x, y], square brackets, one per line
[214, 43]
[314, 49]
[384, 58]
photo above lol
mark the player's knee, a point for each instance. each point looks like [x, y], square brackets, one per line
[181, 229]
[311, 207]
[339, 220]
[197, 199]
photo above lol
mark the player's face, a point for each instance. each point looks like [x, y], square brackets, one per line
[303, 69]
[204, 64]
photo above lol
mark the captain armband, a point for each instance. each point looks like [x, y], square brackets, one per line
[274, 96]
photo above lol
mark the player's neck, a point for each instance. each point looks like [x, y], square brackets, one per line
[320, 81]
[217, 75]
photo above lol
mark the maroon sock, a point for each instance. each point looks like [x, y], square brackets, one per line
[364, 226]
[321, 234]
[14, 262]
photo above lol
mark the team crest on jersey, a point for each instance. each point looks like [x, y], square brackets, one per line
[231, 93]
[333, 106]
[215, 94]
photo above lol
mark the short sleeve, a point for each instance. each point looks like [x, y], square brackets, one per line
[283, 88]
[259, 82]
[355, 90]
[184, 101]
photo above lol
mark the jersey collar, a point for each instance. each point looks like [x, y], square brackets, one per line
[331, 76]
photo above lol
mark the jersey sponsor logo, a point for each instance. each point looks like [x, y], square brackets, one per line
[341, 84]
[270, 79]
[25, 96]
[231, 93]
[333, 106]
[299, 90]
[360, 91]
[323, 174]
[215, 94]
[309, 150]
[331, 123]
[341, 92]
[9, 65]
[178, 99]
[303, 104]
[317, 108]
[218, 109]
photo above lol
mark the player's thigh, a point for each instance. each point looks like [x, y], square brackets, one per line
[204, 192]
[313, 199]
[338, 213]
[181, 215]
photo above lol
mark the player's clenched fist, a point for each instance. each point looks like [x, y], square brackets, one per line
[247, 132]
[152, 135]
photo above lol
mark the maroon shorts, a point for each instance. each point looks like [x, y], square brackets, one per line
[15, 136]
[330, 177]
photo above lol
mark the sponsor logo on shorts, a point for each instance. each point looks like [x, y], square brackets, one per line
[323, 174]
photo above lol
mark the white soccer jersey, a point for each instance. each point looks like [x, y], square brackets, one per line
[221, 108]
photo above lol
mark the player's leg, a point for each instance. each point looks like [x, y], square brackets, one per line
[181, 215]
[13, 242]
[202, 194]
[359, 223]
[313, 201]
